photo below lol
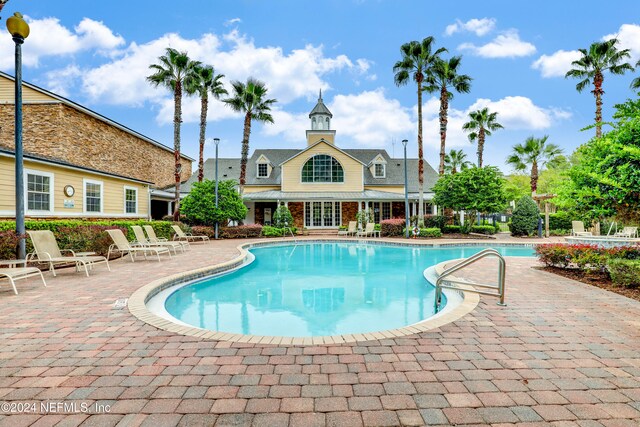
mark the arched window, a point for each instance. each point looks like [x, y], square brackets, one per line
[322, 168]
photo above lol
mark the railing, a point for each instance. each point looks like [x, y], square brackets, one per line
[441, 283]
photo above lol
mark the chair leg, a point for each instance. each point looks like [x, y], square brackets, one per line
[53, 270]
[107, 261]
[13, 285]
[86, 270]
[43, 281]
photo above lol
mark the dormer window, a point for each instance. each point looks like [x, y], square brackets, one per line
[379, 170]
[263, 170]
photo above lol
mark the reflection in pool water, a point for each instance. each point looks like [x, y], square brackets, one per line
[319, 289]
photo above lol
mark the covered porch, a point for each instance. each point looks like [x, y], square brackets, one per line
[315, 210]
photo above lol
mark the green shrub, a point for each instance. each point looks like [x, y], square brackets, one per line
[560, 221]
[199, 207]
[624, 272]
[584, 257]
[430, 232]
[432, 221]
[8, 244]
[377, 227]
[240, 232]
[559, 232]
[392, 227]
[268, 231]
[452, 229]
[483, 229]
[205, 230]
[86, 238]
[343, 228]
[525, 217]
[282, 217]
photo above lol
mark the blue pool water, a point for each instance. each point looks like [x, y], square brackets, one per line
[319, 289]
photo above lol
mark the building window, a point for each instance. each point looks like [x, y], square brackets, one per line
[92, 196]
[378, 169]
[39, 191]
[263, 170]
[130, 200]
[322, 168]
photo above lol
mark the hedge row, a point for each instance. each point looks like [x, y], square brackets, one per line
[162, 228]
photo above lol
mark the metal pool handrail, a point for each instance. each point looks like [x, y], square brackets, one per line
[448, 284]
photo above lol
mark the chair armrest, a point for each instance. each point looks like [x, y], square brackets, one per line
[14, 262]
[68, 250]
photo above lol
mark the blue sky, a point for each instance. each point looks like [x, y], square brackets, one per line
[97, 54]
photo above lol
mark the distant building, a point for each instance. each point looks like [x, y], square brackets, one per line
[324, 185]
[80, 164]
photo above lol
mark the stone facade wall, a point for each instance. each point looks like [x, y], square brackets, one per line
[349, 212]
[397, 210]
[61, 132]
[297, 211]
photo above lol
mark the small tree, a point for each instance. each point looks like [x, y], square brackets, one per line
[199, 207]
[525, 217]
[282, 217]
[364, 216]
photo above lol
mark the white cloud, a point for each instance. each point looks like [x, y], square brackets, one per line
[60, 81]
[49, 37]
[368, 118]
[519, 112]
[232, 21]
[629, 37]
[557, 64]
[505, 45]
[478, 26]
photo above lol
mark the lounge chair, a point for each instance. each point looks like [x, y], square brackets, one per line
[353, 229]
[123, 246]
[47, 250]
[578, 229]
[13, 272]
[181, 235]
[369, 230]
[153, 239]
[629, 232]
[142, 240]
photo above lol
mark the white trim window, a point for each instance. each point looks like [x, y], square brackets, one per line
[38, 188]
[130, 200]
[379, 170]
[263, 170]
[93, 195]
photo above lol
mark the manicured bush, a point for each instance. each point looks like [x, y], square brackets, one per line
[525, 217]
[554, 255]
[430, 232]
[452, 229]
[584, 257]
[483, 229]
[624, 272]
[199, 206]
[269, 231]
[560, 221]
[282, 217]
[392, 227]
[559, 232]
[432, 221]
[241, 231]
[343, 228]
[86, 238]
[204, 230]
[8, 244]
[377, 227]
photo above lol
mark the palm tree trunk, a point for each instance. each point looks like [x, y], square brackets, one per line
[245, 150]
[177, 119]
[534, 177]
[444, 106]
[480, 146]
[204, 105]
[420, 155]
[598, 92]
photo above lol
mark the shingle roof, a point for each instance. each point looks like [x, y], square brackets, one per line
[227, 169]
[320, 108]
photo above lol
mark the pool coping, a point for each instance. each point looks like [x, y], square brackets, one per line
[137, 302]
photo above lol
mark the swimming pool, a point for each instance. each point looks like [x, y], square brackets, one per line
[318, 289]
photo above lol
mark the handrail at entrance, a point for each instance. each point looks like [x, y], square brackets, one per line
[441, 283]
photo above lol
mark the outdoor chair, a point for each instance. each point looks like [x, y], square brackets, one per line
[13, 272]
[181, 235]
[124, 247]
[153, 239]
[47, 251]
[578, 229]
[142, 240]
[629, 232]
[353, 229]
[369, 230]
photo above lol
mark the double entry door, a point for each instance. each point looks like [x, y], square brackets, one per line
[322, 214]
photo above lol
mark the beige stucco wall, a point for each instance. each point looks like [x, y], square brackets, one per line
[291, 171]
[112, 189]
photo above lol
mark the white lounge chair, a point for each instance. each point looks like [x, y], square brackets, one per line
[153, 239]
[47, 250]
[629, 232]
[353, 229]
[141, 240]
[181, 235]
[578, 229]
[369, 230]
[13, 272]
[124, 247]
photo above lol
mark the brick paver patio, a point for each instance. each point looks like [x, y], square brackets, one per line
[561, 352]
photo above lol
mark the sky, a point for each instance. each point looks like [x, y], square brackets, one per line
[97, 53]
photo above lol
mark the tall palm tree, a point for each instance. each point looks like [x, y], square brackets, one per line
[249, 98]
[601, 57]
[454, 161]
[206, 82]
[442, 77]
[482, 123]
[635, 83]
[535, 152]
[416, 61]
[173, 71]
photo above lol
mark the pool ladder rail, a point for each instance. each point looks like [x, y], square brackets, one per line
[467, 286]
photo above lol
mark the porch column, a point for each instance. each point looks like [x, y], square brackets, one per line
[461, 217]
[434, 209]
[169, 210]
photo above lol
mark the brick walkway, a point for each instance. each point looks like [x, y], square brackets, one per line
[561, 352]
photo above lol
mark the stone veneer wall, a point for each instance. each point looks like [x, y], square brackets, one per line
[297, 211]
[397, 210]
[349, 211]
[61, 132]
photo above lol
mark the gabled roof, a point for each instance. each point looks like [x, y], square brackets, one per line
[320, 108]
[322, 141]
[93, 114]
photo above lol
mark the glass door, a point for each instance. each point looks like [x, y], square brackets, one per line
[322, 214]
